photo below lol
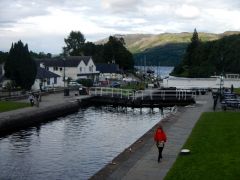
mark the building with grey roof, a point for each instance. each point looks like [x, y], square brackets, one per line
[72, 67]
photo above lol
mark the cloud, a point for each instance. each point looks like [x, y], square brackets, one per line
[120, 6]
[12, 12]
[188, 11]
[50, 21]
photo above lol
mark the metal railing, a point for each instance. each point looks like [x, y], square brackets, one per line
[180, 94]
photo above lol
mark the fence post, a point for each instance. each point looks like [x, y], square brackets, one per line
[151, 94]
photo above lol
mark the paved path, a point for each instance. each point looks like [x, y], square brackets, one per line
[143, 165]
[47, 101]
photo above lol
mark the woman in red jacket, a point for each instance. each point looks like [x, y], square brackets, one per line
[160, 139]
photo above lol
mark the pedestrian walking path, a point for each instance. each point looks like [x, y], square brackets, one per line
[47, 101]
[143, 165]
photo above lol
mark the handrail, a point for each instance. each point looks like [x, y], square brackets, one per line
[180, 94]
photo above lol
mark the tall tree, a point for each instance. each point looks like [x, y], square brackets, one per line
[20, 67]
[213, 58]
[189, 58]
[74, 44]
[114, 50]
[3, 56]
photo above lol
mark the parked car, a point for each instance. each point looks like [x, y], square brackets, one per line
[115, 84]
[74, 85]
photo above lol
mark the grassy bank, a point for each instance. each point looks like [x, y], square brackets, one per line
[9, 105]
[215, 149]
[237, 90]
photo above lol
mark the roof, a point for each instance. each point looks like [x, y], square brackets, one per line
[108, 68]
[1, 71]
[43, 73]
[71, 61]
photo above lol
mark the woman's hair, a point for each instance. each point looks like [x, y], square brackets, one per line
[160, 126]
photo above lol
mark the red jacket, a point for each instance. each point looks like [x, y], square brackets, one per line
[160, 135]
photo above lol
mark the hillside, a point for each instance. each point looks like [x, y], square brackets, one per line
[164, 49]
[164, 39]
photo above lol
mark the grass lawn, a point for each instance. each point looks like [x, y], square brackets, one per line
[139, 86]
[236, 90]
[109, 91]
[215, 149]
[11, 105]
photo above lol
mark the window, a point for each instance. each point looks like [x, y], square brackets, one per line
[55, 80]
[47, 68]
[48, 81]
[80, 69]
[60, 69]
[55, 68]
[90, 68]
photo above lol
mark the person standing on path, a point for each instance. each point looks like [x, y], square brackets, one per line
[160, 139]
[31, 99]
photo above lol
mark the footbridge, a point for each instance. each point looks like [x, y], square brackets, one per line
[144, 98]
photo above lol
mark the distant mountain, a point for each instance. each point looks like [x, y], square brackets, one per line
[166, 49]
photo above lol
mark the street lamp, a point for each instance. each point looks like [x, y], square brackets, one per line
[221, 77]
[64, 71]
[221, 83]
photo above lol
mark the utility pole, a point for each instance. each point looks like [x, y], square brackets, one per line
[221, 78]
[64, 59]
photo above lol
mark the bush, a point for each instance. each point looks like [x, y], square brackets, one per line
[85, 82]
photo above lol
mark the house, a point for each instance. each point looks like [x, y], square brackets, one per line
[1, 75]
[3, 80]
[109, 71]
[45, 79]
[1, 69]
[72, 67]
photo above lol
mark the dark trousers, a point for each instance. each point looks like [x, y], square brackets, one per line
[160, 149]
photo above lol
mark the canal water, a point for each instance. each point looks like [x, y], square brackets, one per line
[72, 147]
[159, 71]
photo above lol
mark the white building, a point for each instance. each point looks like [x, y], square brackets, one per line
[73, 67]
[109, 71]
[213, 82]
[46, 79]
[232, 76]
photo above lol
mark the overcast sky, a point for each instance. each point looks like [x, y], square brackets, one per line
[44, 24]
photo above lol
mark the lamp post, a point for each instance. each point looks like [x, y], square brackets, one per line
[221, 78]
[64, 71]
[221, 83]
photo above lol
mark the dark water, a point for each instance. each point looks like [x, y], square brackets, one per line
[72, 147]
[160, 71]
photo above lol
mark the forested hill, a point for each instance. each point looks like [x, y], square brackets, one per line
[204, 59]
[164, 49]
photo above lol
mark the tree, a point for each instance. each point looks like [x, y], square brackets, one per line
[186, 67]
[3, 56]
[74, 44]
[114, 50]
[40, 55]
[212, 58]
[189, 56]
[20, 67]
